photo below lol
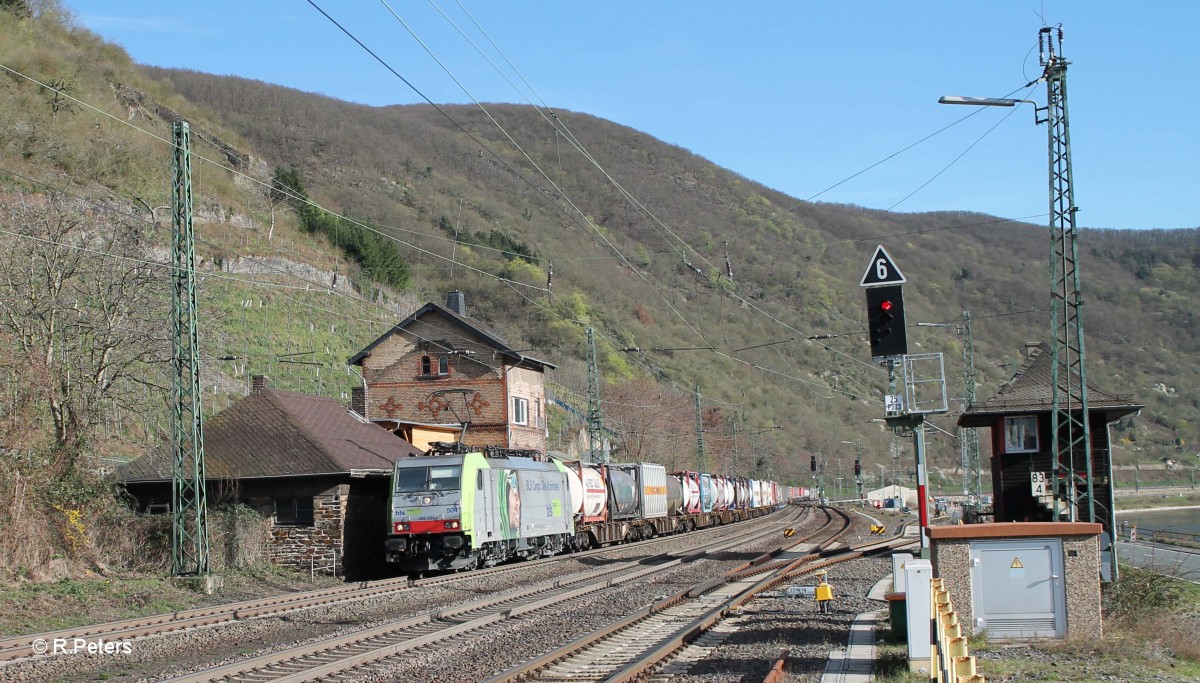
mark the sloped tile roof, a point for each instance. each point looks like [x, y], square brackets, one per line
[1029, 391]
[273, 433]
[463, 321]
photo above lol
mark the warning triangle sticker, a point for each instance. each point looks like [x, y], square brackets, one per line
[882, 270]
[1016, 564]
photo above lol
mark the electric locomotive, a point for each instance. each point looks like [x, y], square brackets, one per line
[461, 509]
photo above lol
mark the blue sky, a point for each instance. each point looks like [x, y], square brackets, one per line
[796, 95]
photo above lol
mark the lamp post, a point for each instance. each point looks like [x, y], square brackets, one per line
[1069, 419]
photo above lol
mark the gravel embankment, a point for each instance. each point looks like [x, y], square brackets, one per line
[769, 625]
[523, 639]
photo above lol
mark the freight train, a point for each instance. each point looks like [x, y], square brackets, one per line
[456, 508]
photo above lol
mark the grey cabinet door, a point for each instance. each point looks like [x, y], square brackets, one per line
[1018, 589]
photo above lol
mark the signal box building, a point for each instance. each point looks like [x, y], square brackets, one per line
[1019, 418]
[438, 372]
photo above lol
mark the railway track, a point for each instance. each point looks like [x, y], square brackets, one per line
[346, 655]
[634, 646]
[18, 647]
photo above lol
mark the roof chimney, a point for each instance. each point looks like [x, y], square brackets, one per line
[457, 302]
[358, 400]
[259, 382]
[1030, 347]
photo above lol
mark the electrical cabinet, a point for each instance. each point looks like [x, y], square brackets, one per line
[1018, 588]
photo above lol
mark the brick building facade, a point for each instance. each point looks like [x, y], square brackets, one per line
[438, 371]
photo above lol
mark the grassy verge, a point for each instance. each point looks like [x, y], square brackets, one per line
[1150, 630]
[40, 607]
[891, 656]
[1179, 498]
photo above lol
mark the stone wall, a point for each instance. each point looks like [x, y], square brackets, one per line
[274, 265]
[1084, 607]
[319, 547]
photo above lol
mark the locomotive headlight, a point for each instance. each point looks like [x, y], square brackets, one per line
[427, 500]
[400, 526]
[451, 525]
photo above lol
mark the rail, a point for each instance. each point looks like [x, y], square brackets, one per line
[365, 647]
[18, 647]
[697, 609]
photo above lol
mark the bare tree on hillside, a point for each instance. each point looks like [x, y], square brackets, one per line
[655, 422]
[83, 303]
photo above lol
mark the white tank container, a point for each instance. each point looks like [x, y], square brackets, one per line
[595, 495]
[692, 496]
[575, 489]
[589, 496]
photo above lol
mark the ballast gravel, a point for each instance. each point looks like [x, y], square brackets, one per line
[162, 656]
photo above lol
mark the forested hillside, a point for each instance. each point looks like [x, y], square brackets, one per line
[648, 267]
[690, 275]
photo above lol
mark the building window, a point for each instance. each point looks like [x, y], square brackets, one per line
[294, 511]
[1020, 435]
[444, 365]
[520, 411]
[426, 366]
[537, 413]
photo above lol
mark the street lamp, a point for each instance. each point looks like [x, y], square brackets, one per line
[983, 101]
[1068, 380]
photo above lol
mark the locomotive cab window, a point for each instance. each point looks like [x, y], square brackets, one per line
[422, 479]
[411, 479]
[444, 477]
[1020, 434]
[294, 511]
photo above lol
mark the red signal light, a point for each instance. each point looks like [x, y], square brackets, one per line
[885, 305]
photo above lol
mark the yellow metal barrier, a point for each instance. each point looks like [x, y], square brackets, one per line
[952, 663]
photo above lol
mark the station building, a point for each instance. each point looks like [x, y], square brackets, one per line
[440, 375]
[318, 473]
